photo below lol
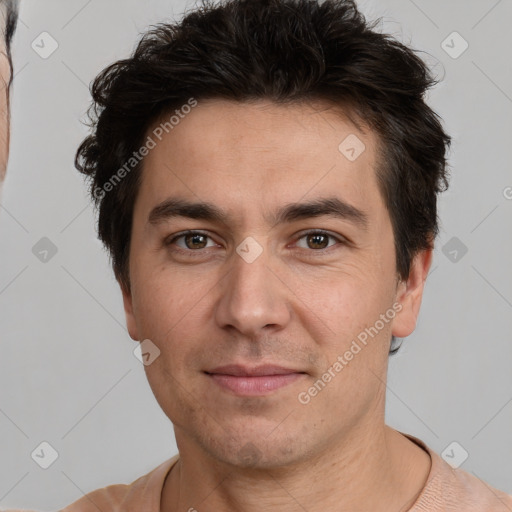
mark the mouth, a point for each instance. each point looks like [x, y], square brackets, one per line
[255, 381]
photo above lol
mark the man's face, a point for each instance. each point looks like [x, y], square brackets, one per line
[281, 298]
[5, 77]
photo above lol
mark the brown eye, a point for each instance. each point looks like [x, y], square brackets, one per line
[195, 241]
[318, 240]
[190, 241]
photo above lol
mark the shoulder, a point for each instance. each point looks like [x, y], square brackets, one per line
[450, 489]
[455, 489]
[146, 490]
[108, 498]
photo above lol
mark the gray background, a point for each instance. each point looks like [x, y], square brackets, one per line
[68, 375]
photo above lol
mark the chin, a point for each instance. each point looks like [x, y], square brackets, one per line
[254, 450]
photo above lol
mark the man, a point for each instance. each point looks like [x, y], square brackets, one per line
[266, 174]
[8, 19]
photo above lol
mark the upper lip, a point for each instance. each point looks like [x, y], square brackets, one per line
[246, 371]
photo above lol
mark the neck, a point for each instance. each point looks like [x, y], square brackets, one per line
[374, 469]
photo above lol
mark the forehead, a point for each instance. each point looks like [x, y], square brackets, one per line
[262, 152]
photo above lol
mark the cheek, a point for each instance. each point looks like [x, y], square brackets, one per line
[169, 308]
[160, 295]
[344, 300]
[351, 307]
[167, 314]
[160, 312]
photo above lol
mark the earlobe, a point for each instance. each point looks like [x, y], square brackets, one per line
[129, 314]
[410, 293]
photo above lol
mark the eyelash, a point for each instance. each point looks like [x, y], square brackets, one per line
[190, 252]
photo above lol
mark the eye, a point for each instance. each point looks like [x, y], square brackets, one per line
[192, 240]
[319, 240]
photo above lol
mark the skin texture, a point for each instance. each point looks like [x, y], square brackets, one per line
[5, 76]
[299, 304]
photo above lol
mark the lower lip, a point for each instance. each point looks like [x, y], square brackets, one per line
[253, 386]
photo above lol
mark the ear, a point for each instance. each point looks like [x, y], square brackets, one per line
[410, 293]
[131, 324]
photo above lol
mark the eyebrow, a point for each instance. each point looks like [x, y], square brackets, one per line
[331, 207]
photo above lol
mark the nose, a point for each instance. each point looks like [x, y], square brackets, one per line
[252, 297]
